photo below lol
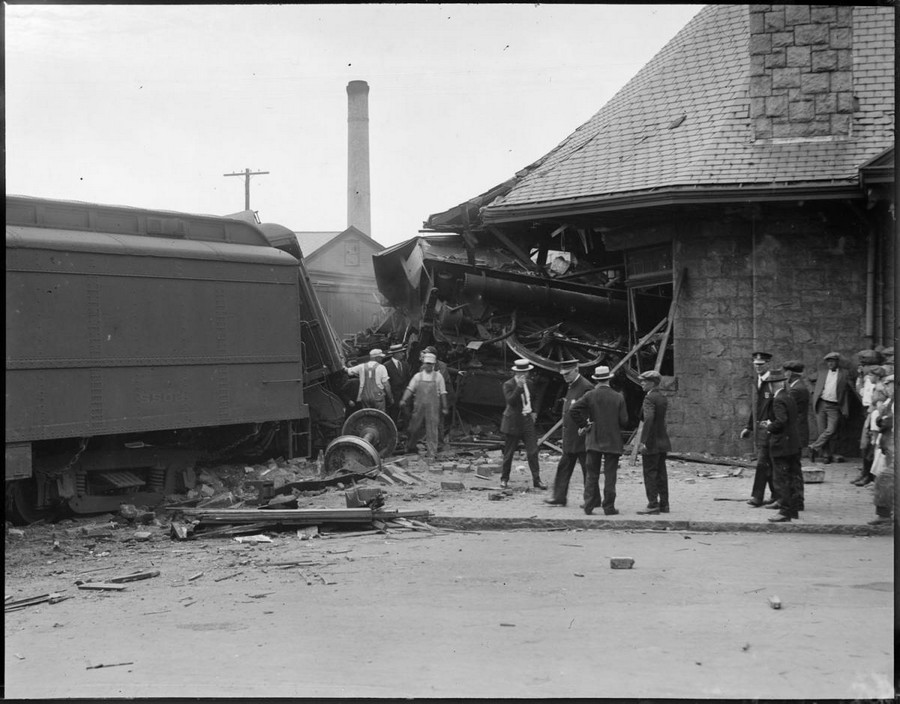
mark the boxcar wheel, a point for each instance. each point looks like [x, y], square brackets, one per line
[21, 498]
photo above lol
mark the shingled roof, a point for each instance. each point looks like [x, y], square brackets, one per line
[682, 126]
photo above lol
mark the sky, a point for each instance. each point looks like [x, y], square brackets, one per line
[149, 106]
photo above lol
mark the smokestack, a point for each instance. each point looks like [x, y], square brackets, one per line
[359, 206]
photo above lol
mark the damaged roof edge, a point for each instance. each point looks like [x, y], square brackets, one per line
[667, 197]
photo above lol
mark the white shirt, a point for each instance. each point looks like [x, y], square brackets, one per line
[381, 374]
[829, 391]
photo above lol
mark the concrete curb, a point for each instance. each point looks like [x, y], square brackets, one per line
[601, 523]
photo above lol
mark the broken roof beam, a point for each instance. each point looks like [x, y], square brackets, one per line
[517, 251]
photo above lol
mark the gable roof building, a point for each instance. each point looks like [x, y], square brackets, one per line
[754, 152]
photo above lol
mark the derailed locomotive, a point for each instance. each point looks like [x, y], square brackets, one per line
[139, 342]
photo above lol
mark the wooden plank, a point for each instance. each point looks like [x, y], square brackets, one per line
[517, 251]
[104, 586]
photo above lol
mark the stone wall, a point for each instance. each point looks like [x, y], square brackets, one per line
[801, 70]
[804, 297]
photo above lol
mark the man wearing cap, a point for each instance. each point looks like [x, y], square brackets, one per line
[799, 391]
[517, 423]
[440, 367]
[654, 444]
[784, 447]
[398, 375]
[761, 398]
[831, 402]
[429, 396]
[603, 412]
[374, 383]
[573, 448]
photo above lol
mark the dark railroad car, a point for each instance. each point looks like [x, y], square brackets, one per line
[138, 342]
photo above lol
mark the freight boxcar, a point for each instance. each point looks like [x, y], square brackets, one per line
[139, 342]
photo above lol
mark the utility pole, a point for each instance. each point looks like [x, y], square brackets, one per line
[247, 173]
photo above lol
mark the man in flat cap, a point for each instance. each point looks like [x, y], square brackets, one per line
[517, 424]
[760, 399]
[602, 411]
[429, 395]
[374, 383]
[573, 448]
[784, 448]
[831, 403]
[654, 444]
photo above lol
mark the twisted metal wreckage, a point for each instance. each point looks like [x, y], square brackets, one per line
[484, 301]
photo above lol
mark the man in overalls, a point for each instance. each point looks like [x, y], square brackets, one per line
[374, 383]
[429, 392]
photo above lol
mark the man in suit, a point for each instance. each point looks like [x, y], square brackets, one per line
[759, 410]
[573, 449]
[831, 402]
[799, 391]
[517, 423]
[602, 412]
[654, 444]
[784, 447]
[398, 377]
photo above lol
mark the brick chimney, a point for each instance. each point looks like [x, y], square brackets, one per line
[359, 206]
[801, 71]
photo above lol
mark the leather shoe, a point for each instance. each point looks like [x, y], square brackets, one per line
[649, 512]
[868, 479]
[881, 520]
[826, 460]
[858, 479]
[539, 484]
[774, 505]
[554, 502]
[503, 483]
[769, 501]
[663, 509]
[780, 518]
[754, 503]
[611, 511]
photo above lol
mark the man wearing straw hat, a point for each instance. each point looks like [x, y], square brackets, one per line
[573, 448]
[517, 423]
[602, 411]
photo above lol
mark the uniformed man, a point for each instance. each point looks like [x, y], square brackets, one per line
[654, 444]
[573, 449]
[760, 401]
[783, 433]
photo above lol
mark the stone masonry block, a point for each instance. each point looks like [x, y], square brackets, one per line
[811, 34]
[846, 103]
[758, 107]
[822, 14]
[760, 44]
[776, 59]
[811, 83]
[840, 38]
[761, 86]
[820, 127]
[840, 124]
[826, 104]
[796, 14]
[758, 65]
[762, 128]
[785, 78]
[844, 15]
[782, 39]
[824, 60]
[842, 81]
[776, 106]
[844, 60]
[782, 130]
[757, 21]
[775, 19]
[798, 56]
